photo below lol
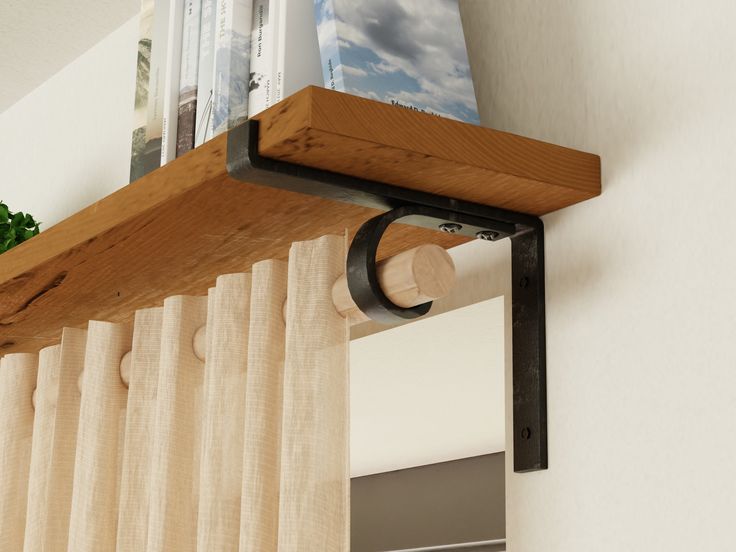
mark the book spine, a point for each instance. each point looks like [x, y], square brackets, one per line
[231, 64]
[280, 39]
[261, 87]
[203, 127]
[187, 110]
[277, 6]
[299, 62]
[140, 110]
[329, 45]
[154, 116]
[171, 81]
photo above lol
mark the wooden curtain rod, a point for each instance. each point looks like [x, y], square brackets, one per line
[416, 276]
[408, 279]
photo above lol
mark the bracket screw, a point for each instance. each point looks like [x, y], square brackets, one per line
[487, 235]
[450, 227]
[526, 433]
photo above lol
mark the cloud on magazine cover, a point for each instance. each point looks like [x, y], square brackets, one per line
[354, 71]
[410, 38]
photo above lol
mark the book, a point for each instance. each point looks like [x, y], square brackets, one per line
[170, 88]
[140, 110]
[297, 51]
[188, 77]
[231, 64]
[203, 127]
[170, 85]
[409, 53]
[261, 87]
[279, 47]
[155, 108]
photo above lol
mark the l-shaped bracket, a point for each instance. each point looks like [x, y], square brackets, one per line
[437, 212]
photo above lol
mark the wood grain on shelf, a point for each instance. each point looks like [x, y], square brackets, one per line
[174, 230]
[325, 129]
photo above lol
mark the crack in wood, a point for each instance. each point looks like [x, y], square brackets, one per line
[53, 284]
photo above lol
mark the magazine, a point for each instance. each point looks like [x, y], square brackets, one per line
[409, 53]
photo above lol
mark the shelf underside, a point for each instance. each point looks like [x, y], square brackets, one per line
[173, 231]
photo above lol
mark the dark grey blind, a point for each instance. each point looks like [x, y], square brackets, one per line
[431, 507]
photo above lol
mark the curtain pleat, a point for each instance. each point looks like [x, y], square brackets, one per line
[243, 450]
[174, 475]
[314, 506]
[63, 451]
[139, 431]
[223, 411]
[94, 516]
[263, 400]
[17, 381]
[45, 395]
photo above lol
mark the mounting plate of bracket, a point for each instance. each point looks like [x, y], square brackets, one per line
[436, 212]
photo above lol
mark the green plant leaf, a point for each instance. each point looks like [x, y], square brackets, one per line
[15, 228]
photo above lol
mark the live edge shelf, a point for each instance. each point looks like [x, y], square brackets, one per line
[174, 230]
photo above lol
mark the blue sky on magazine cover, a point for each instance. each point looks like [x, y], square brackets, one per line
[408, 51]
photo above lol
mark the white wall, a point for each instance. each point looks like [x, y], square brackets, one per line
[67, 143]
[39, 38]
[429, 391]
[641, 282]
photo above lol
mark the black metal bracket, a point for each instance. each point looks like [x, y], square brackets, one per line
[439, 213]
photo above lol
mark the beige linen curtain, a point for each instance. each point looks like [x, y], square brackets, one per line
[227, 431]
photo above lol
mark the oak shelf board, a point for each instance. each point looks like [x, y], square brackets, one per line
[368, 139]
[176, 229]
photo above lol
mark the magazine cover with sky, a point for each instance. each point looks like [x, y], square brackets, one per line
[410, 53]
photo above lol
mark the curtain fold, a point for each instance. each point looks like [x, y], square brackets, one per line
[132, 535]
[64, 446]
[100, 434]
[17, 381]
[314, 506]
[174, 471]
[44, 402]
[245, 449]
[262, 454]
[223, 414]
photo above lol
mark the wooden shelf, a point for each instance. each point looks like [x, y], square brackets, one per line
[173, 231]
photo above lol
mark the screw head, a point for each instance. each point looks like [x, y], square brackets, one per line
[450, 227]
[526, 433]
[487, 235]
[524, 282]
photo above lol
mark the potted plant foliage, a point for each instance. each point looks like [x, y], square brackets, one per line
[15, 228]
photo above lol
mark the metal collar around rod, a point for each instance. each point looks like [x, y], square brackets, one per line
[439, 213]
